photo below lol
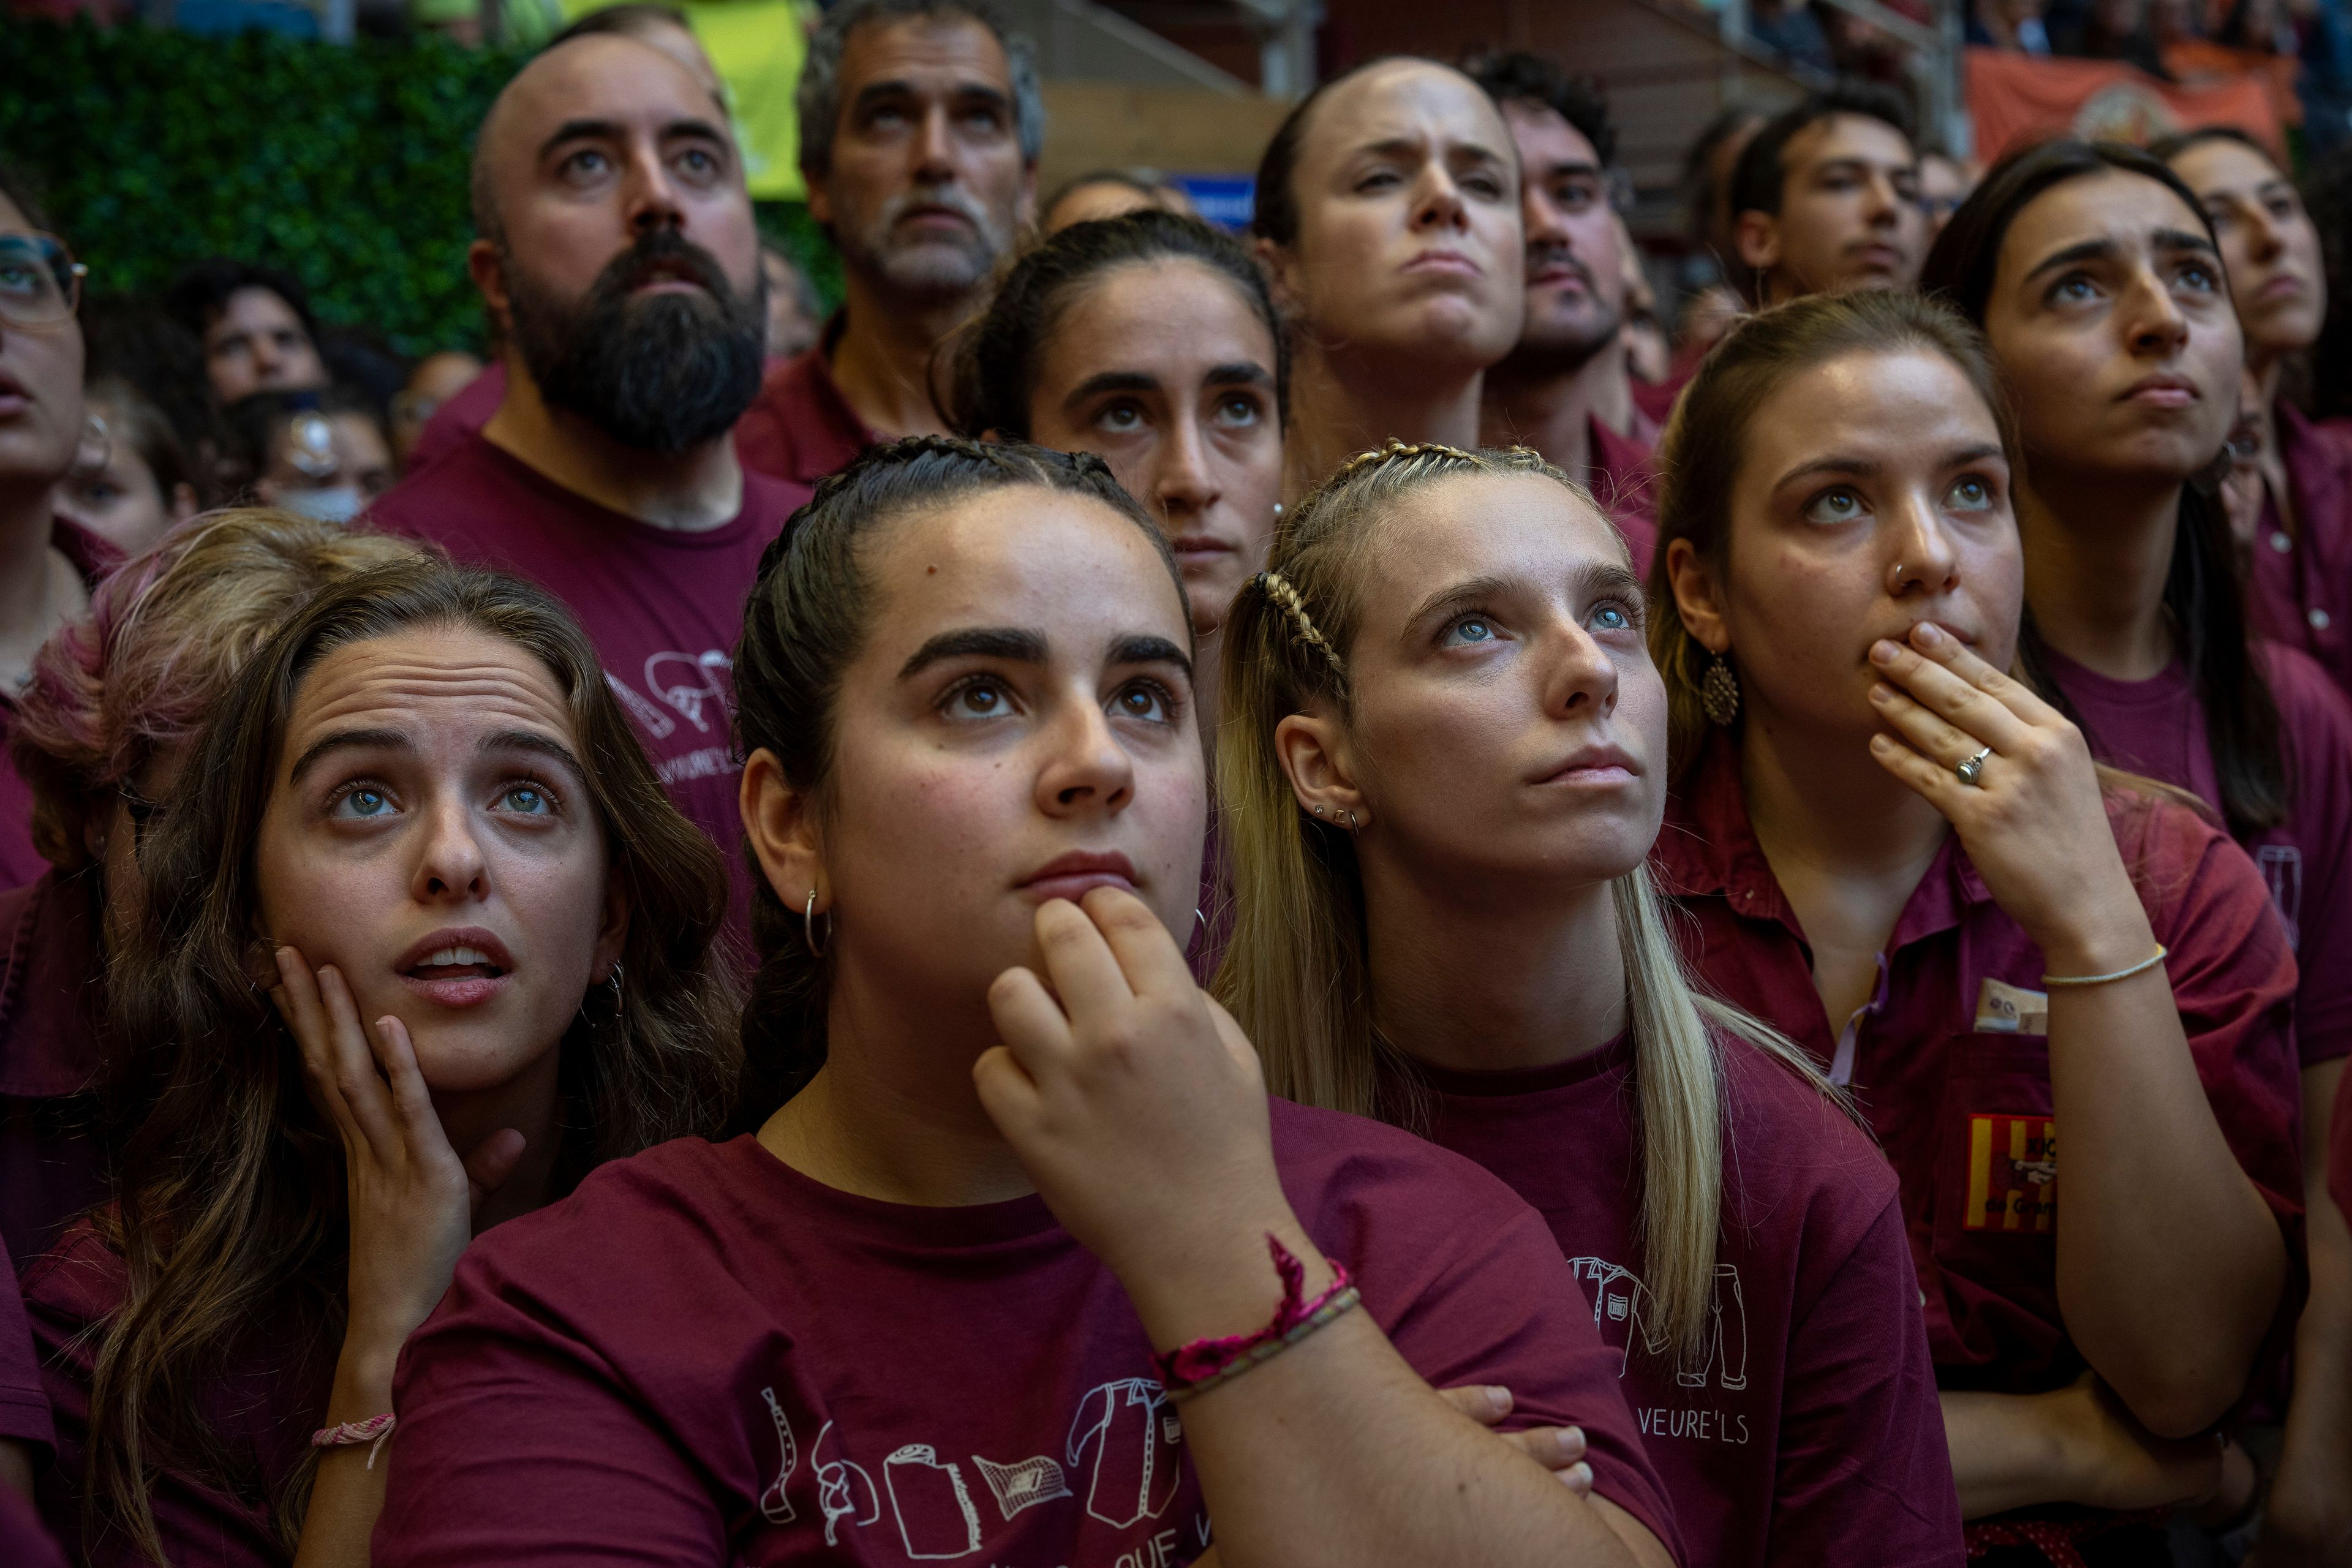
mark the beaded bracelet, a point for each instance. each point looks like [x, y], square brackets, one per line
[1201, 1364]
[2142, 967]
[350, 1434]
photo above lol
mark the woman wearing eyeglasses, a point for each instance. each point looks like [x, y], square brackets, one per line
[47, 564]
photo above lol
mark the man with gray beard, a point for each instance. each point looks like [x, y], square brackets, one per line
[1566, 389]
[617, 253]
[921, 126]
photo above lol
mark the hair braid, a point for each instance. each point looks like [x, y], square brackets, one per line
[1279, 588]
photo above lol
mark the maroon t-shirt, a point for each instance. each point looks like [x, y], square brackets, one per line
[2157, 728]
[52, 1160]
[2299, 585]
[664, 606]
[800, 428]
[703, 1356]
[262, 1410]
[1950, 1060]
[1624, 481]
[24, 1404]
[1806, 1430]
[19, 861]
[460, 415]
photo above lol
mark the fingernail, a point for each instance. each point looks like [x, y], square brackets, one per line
[1572, 1439]
[1880, 742]
[1882, 694]
[1928, 632]
[1882, 652]
[1498, 1400]
[1578, 1475]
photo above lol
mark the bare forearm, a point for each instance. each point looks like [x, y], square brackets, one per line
[2312, 1500]
[2005, 1451]
[347, 1493]
[1335, 1452]
[2170, 1263]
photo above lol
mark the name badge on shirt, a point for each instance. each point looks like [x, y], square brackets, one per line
[2012, 1173]
[2006, 1009]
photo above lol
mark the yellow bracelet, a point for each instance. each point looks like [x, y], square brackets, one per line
[2142, 967]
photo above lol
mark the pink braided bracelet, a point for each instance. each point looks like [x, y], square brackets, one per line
[350, 1434]
[1200, 1364]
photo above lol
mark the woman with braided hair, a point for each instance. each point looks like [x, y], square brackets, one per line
[989, 1238]
[1443, 771]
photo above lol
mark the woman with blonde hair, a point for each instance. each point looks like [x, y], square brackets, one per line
[1443, 766]
[1908, 860]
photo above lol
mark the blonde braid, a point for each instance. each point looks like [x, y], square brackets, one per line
[1278, 589]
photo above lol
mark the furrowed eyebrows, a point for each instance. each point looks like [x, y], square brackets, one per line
[2086, 250]
[1017, 644]
[534, 741]
[1145, 648]
[348, 740]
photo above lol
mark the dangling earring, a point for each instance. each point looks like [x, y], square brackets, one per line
[1718, 692]
[808, 927]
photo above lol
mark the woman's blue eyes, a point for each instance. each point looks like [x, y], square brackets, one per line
[364, 804]
[1471, 630]
[527, 798]
[1612, 618]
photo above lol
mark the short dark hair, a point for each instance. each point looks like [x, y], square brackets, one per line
[201, 292]
[818, 96]
[1759, 182]
[996, 369]
[631, 18]
[804, 620]
[1517, 76]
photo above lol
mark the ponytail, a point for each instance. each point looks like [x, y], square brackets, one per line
[1295, 975]
[804, 621]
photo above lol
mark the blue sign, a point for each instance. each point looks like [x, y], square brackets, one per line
[1225, 200]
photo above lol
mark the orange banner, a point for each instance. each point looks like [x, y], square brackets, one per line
[2018, 99]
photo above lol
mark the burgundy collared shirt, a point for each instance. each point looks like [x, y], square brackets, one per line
[52, 1163]
[1951, 1061]
[20, 862]
[2299, 585]
[802, 428]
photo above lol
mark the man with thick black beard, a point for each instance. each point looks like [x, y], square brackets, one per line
[1566, 389]
[616, 252]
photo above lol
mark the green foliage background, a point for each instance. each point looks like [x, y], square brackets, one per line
[347, 166]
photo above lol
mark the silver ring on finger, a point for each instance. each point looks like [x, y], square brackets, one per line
[1969, 771]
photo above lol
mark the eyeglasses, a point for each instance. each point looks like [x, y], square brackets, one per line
[40, 281]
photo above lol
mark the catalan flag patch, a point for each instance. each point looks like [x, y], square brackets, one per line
[2012, 1173]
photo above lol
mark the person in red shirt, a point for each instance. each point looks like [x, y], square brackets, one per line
[921, 124]
[1566, 389]
[2298, 555]
[488, 938]
[52, 563]
[1387, 216]
[102, 732]
[2098, 280]
[618, 255]
[1908, 862]
[1443, 767]
[1151, 341]
[968, 1292]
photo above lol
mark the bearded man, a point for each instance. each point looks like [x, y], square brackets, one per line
[617, 253]
[921, 122]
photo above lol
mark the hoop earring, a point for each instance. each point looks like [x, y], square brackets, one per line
[808, 927]
[1351, 818]
[1199, 922]
[1718, 692]
[614, 980]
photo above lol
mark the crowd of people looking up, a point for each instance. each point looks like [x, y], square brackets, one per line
[1160, 898]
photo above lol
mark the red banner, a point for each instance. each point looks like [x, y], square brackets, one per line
[2017, 98]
